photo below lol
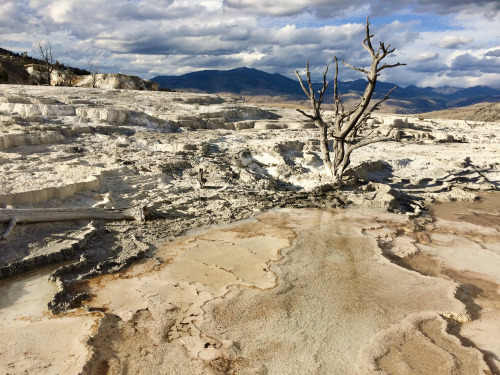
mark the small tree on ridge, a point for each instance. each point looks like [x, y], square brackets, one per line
[348, 128]
[46, 55]
[94, 72]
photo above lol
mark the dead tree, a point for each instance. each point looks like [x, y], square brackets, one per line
[46, 55]
[68, 76]
[348, 129]
[94, 71]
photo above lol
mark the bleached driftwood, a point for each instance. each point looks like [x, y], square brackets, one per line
[38, 215]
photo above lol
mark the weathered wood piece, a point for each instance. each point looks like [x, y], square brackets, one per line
[39, 215]
[9, 229]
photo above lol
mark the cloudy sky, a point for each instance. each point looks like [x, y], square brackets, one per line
[443, 42]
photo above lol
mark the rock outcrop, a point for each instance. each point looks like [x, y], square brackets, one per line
[116, 81]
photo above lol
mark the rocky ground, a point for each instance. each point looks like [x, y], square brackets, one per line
[79, 148]
[483, 112]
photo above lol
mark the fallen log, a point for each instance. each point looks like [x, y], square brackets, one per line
[39, 215]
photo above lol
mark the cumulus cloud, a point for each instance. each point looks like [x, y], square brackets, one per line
[493, 53]
[13, 16]
[435, 67]
[321, 8]
[60, 11]
[154, 37]
[489, 8]
[341, 8]
[425, 56]
[453, 41]
[468, 65]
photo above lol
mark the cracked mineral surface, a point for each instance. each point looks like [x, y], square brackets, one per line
[315, 279]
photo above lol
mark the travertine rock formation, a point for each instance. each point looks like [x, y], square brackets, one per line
[381, 288]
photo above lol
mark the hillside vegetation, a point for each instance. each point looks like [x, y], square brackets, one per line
[13, 67]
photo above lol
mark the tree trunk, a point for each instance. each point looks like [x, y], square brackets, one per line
[325, 150]
[338, 158]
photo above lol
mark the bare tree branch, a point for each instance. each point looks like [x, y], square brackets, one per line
[302, 85]
[377, 105]
[305, 114]
[325, 85]
[357, 69]
[367, 43]
[389, 66]
[46, 55]
[94, 71]
[346, 130]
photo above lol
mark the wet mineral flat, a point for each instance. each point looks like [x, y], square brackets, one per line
[289, 292]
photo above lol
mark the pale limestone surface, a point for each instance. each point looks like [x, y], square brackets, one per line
[356, 291]
[461, 243]
[77, 147]
[33, 342]
[51, 137]
[292, 291]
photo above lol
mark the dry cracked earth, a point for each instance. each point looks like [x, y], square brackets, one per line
[266, 268]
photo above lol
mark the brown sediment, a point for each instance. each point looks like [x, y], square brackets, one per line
[34, 341]
[293, 291]
[164, 306]
[330, 290]
[478, 291]
[474, 290]
[332, 298]
[484, 212]
[420, 346]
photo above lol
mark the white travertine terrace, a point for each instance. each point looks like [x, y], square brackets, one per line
[351, 291]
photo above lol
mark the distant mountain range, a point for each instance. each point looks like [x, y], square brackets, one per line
[252, 82]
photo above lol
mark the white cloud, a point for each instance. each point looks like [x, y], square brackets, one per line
[153, 37]
[453, 41]
[342, 8]
[61, 10]
[425, 56]
[321, 8]
[494, 52]
[469, 65]
[13, 17]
